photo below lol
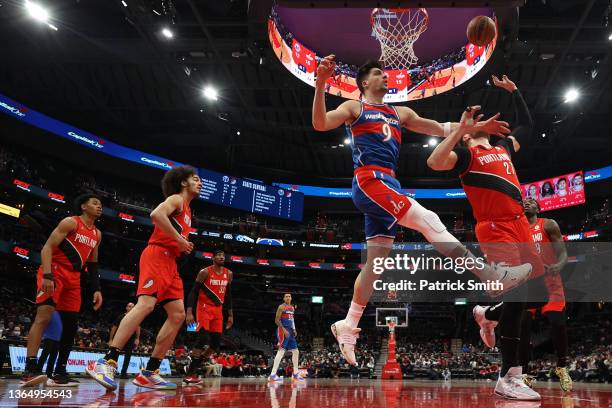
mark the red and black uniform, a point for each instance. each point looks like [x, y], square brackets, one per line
[209, 308]
[554, 284]
[493, 190]
[158, 275]
[67, 261]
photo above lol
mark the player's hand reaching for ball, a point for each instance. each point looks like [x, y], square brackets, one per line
[184, 244]
[492, 126]
[468, 122]
[326, 68]
[504, 83]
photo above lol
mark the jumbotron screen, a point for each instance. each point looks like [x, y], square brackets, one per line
[557, 192]
[443, 57]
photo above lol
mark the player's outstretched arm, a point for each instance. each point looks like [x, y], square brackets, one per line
[443, 157]
[412, 121]
[523, 121]
[321, 119]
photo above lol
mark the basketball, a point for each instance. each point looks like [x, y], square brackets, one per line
[481, 30]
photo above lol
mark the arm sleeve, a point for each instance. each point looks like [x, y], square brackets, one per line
[506, 144]
[192, 298]
[523, 121]
[94, 276]
[228, 296]
[464, 157]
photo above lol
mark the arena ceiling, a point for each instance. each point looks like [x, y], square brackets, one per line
[108, 70]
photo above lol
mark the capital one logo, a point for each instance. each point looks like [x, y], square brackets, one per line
[98, 144]
[15, 111]
[165, 165]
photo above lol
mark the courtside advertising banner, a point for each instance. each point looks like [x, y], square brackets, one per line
[78, 360]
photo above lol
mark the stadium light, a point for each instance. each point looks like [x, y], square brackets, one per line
[238, 132]
[571, 95]
[124, 3]
[211, 93]
[166, 32]
[37, 12]
[347, 141]
[432, 142]
[610, 37]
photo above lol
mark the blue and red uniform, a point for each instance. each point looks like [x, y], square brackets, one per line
[376, 138]
[287, 342]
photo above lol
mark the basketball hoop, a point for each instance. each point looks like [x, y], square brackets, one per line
[397, 30]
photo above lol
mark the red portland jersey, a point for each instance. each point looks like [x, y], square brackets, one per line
[214, 287]
[543, 242]
[491, 185]
[74, 250]
[181, 222]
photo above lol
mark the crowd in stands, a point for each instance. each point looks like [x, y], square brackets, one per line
[318, 227]
[424, 72]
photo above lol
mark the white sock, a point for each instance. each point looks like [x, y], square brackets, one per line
[295, 359]
[354, 314]
[277, 360]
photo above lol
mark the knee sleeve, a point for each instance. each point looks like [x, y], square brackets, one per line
[215, 341]
[423, 220]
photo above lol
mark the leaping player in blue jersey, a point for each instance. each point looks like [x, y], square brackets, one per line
[286, 334]
[375, 129]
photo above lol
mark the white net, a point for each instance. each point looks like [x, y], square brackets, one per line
[397, 30]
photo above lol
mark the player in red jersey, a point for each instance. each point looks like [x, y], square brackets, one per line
[72, 245]
[551, 247]
[375, 130]
[494, 192]
[210, 292]
[158, 281]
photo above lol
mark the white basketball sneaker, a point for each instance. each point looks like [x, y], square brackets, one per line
[347, 338]
[487, 327]
[512, 386]
[510, 277]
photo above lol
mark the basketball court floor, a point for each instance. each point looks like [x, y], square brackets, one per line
[337, 393]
